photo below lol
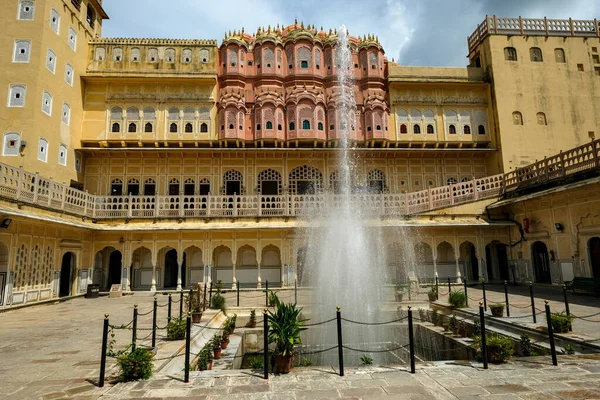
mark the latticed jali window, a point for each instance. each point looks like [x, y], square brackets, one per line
[305, 180]
[269, 182]
[230, 177]
[20, 267]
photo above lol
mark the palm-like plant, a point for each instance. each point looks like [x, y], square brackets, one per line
[285, 326]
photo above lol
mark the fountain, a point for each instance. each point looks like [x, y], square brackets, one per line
[345, 263]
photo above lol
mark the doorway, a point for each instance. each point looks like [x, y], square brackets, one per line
[474, 264]
[114, 269]
[594, 249]
[541, 262]
[501, 250]
[171, 270]
[233, 187]
[66, 274]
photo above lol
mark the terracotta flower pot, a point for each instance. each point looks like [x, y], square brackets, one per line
[432, 296]
[283, 364]
[196, 317]
[497, 311]
[224, 344]
[252, 324]
[217, 353]
[495, 355]
[210, 365]
[399, 297]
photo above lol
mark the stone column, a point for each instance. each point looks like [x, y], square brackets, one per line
[125, 279]
[458, 274]
[154, 260]
[259, 280]
[434, 254]
[179, 265]
[234, 280]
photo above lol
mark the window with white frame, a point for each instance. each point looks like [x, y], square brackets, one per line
[186, 56]
[135, 54]
[69, 74]
[26, 10]
[16, 96]
[62, 154]
[152, 55]
[43, 150]
[12, 142]
[51, 61]
[117, 54]
[149, 119]
[47, 103]
[204, 56]
[100, 54]
[54, 20]
[22, 51]
[170, 55]
[72, 38]
[66, 114]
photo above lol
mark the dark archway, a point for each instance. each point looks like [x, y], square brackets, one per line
[114, 268]
[488, 262]
[496, 257]
[66, 274]
[170, 280]
[594, 250]
[501, 250]
[541, 262]
[474, 264]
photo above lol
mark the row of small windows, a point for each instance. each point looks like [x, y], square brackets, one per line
[152, 55]
[149, 187]
[535, 54]
[133, 119]
[16, 98]
[451, 129]
[517, 118]
[12, 147]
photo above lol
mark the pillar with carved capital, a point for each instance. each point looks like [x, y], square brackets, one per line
[179, 266]
[259, 280]
[458, 274]
[125, 279]
[233, 280]
[435, 271]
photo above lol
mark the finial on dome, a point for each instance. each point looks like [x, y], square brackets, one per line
[302, 24]
[393, 59]
[330, 32]
[269, 29]
[321, 28]
[335, 31]
[295, 21]
[242, 30]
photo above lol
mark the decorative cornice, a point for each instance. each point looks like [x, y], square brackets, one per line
[156, 42]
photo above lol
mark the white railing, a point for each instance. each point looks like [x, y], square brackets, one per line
[533, 27]
[25, 187]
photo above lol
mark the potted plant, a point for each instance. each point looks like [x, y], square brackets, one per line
[433, 293]
[453, 324]
[499, 348]
[463, 331]
[399, 294]
[497, 309]
[176, 329]
[195, 304]
[273, 299]
[224, 342]
[435, 317]
[561, 323]
[218, 301]
[216, 346]
[457, 298]
[423, 315]
[135, 365]
[252, 322]
[204, 359]
[285, 325]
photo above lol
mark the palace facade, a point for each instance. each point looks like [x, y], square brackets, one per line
[159, 163]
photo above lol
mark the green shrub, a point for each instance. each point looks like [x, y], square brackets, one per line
[306, 363]
[568, 349]
[257, 363]
[205, 356]
[135, 365]
[366, 360]
[218, 301]
[273, 299]
[457, 298]
[525, 345]
[476, 327]
[176, 329]
[500, 348]
[453, 323]
[435, 317]
[561, 323]
[423, 315]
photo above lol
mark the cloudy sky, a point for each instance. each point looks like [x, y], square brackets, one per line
[423, 32]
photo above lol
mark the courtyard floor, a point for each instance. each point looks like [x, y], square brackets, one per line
[53, 351]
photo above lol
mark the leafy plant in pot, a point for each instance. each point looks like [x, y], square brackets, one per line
[252, 322]
[195, 304]
[433, 293]
[285, 326]
[497, 310]
[399, 293]
[216, 346]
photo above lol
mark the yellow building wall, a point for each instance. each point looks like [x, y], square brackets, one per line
[568, 93]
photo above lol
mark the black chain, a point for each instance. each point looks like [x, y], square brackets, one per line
[142, 314]
[516, 306]
[526, 316]
[586, 316]
[320, 323]
[376, 351]
[164, 305]
[374, 323]
[144, 338]
[305, 353]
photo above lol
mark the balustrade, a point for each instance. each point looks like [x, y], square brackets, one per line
[25, 187]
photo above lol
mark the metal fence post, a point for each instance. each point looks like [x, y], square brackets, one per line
[103, 354]
[266, 344]
[411, 341]
[295, 291]
[506, 298]
[483, 339]
[564, 287]
[210, 295]
[134, 328]
[532, 302]
[449, 286]
[466, 293]
[484, 296]
[339, 337]
[238, 294]
[189, 307]
[267, 294]
[551, 334]
[188, 329]
[169, 309]
[204, 298]
[437, 288]
[155, 309]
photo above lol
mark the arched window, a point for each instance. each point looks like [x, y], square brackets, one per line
[51, 61]
[535, 54]
[173, 114]
[136, 54]
[189, 187]
[417, 129]
[186, 56]
[452, 129]
[132, 128]
[541, 118]
[189, 128]
[303, 64]
[430, 128]
[100, 54]
[258, 127]
[378, 127]
[133, 114]
[90, 16]
[148, 127]
[451, 181]
[279, 127]
[133, 187]
[467, 130]
[559, 55]
[43, 150]
[173, 127]
[230, 126]
[22, 51]
[203, 127]
[117, 54]
[320, 126]
[481, 129]
[116, 187]
[517, 118]
[72, 39]
[55, 20]
[292, 126]
[306, 124]
[269, 125]
[116, 127]
[149, 187]
[26, 10]
[510, 54]
[17, 96]
[403, 128]
[174, 187]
